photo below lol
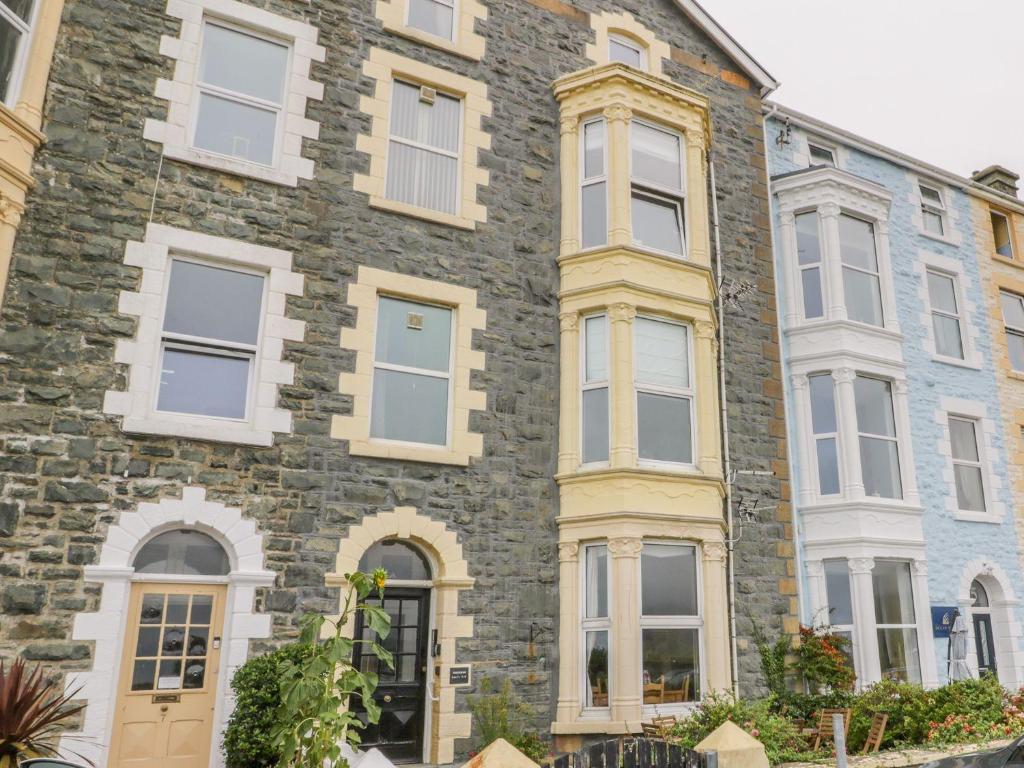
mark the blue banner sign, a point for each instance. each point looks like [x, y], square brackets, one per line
[942, 619]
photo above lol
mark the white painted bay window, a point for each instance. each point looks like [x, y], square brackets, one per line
[861, 285]
[657, 194]
[1013, 321]
[595, 403]
[967, 464]
[424, 147]
[898, 652]
[594, 187]
[945, 310]
[412, 372]
[435, 17]
[240, 93]
[826, 432]
[670, 624]
[808, 246]
[211, 328]
[876, 428]
[664, 391]
[933, 210]
[15, 34]
[596, 626]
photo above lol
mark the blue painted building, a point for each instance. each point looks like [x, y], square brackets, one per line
[899, 463]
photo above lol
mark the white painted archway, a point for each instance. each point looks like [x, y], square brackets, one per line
[1005, 627]
[106, 627]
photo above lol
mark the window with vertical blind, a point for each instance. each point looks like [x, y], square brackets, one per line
[424, 147]
[895, 620]
[15, 32]
[596, 625]
[664, 391]
[594, 185]
[945, 311]
[808, 248]
[826, 431]
[657, 196]
[967, 463]
[594, 421]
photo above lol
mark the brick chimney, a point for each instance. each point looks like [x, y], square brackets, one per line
[999, 178]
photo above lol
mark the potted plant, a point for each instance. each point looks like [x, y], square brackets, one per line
[32, 711]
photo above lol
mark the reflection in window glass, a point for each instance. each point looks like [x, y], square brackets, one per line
[669, 582]
[663, 391]
[402, 561]
[895, 617]
[182, 553]
[596, 625]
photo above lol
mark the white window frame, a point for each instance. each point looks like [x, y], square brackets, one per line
[895, 439]
[454, 5]
[202, 88]
[877, 273]
[586, 181]
[1009, 232]
[913, 625]
[597, 384]
[460, 143]
[449, 376]
[1011, 329]
[813, 145]
[930, 206]
[981, 464]
[627, 42]
[959, 316]
[199, 344]
[596, 624]
[673, 622]
[645, 188]
[689, 393]
[25, 29]
[819, 265]
[817, 436]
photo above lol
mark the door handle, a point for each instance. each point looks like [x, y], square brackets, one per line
[387, 698]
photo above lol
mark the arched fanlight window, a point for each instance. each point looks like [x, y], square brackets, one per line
[400, 560]
[979, 595]
[183, 553]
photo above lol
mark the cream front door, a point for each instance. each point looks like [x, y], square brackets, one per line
[168, 682]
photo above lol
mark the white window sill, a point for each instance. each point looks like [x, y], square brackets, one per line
[214, 430]
[939, 238]
[967, 516]
[957, 362]
[231, 165]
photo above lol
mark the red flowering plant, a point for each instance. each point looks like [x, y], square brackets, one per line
[823, 659]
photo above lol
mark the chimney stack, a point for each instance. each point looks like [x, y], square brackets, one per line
[998, 178]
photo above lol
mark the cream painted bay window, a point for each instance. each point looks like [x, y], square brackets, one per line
[664, 393]
[808, 246]
[15, 34]
[1013, 321]
[879, 448]
[594, 189]
[826, 432]
[967, 470]
[657, 196]
[595, 404]
[669, 624]
[596, 626]
[424, 147]
[945, 310]
[898, 652]
[861, 285]
[411, 372]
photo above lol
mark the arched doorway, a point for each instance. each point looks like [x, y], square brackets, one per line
[403, 691]
[984, 639]
[170, 663]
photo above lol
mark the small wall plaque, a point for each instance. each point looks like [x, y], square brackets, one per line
[459, 675]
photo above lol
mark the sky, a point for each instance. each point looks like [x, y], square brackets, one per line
[940, 80]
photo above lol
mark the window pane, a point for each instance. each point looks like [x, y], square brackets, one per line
[857, 243]
[671, 666]
[234, 129]
[948, 341]
[979, 595]
[595, 425]
[213, 303]
[668, 578]
[10, 39]
[443, 123]
[1013, 309]
[812, 293]
[808, 244]
[1001, 235]
[964, 439]
[597, 669]
[596, 331]
[821, 156]
[873, 398]
[931, 196]
[433, 18]
[880, 467]
[942, 292]
[898, 654]
[421, 177]
[663, 428]
[243, 63]
[657, 223]
[823, 407]
[970, 490]
[400, 560]
[932, 222]
[23, 8]
[595, 215]
[412, 334]
[828, 466]
[661, 353]
[894, 592]
[597, 582]
[837, 585]
[1015, 342]
[863, 297]
[182, 553]
[627, 54]
[142, 675]
[436, 125]
[593, 149]
[410, 407]
[204, 383]
[655, 156]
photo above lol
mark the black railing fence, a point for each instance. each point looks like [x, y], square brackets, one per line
[636, 753]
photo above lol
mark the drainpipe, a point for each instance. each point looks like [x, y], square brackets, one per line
[727, 468]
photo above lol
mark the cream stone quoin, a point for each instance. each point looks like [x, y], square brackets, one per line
[450, 574]
[115, 574]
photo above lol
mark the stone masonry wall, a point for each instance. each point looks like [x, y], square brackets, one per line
[66, 469]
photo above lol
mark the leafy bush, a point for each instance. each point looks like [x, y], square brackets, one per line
[823, 659]
[502, 715]
[908, 706]
[247, 740]
[974, 710]
[773, 659]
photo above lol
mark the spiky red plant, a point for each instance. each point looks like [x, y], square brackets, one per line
[32, 710]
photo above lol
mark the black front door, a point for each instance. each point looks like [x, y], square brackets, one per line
[984, 643]
[401, 694]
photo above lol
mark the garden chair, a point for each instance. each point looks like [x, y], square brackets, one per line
[824, 730]
[600, 696]
[654, 693]
[875, 734]
[659, 727]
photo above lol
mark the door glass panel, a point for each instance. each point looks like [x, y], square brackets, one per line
[142, 675]
[177, 609]
[149, 640]
[202, 606]
[158, 663]
[170, 674]
[197, 637]
[152, 609]
[174, 641]
[195, 672]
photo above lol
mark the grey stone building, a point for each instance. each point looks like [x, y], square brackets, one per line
[287, 299]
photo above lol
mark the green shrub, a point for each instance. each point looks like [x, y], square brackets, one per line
[773, 659]
[247, 739]
[502, 715]
[908, 706]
